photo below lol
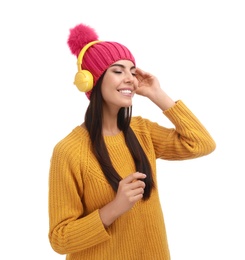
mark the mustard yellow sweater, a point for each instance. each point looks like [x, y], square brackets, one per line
[78, 188]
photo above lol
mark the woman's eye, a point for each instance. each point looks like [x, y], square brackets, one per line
[118, 72]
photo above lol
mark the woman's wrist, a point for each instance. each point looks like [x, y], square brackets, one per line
[162, 100]
[108, 214]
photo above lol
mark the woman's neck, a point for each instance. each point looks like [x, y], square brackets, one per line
[109, 122]
[109, 126]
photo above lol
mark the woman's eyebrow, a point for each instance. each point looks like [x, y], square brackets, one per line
[121, 65]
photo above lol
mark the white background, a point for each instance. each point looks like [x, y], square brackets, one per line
[196, 48]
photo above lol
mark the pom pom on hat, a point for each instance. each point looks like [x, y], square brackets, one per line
[80, 36]
[99, 56]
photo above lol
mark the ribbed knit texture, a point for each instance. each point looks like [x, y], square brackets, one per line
[78, 188]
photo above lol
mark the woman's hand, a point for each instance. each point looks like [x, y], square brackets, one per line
[149, 86]
[147, 83]
[130, 190]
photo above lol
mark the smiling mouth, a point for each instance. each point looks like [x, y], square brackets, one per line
[125, 91]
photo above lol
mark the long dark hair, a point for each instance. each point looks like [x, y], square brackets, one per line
[93, 123]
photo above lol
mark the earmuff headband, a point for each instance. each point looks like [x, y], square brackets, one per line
[83, 78]
[81, 54]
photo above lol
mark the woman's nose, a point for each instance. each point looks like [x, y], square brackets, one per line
[131, 80]
[129, 77]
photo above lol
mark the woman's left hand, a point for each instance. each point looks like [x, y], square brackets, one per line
[149, 86]
[147, 83]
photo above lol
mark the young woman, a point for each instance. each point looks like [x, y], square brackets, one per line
[103, 192]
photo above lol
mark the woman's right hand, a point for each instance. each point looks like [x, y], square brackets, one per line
[130, 190]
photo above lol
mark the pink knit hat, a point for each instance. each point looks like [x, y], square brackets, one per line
[99, 56]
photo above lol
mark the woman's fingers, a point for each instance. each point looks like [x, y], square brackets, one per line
[134, 177]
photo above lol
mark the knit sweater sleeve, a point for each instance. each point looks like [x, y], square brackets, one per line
[186, 140]
[70, 231]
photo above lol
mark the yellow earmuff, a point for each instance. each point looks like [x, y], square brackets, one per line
[83, 78]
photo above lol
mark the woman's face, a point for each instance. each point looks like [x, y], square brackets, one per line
[119, 84]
